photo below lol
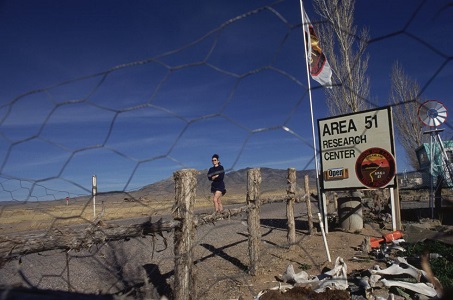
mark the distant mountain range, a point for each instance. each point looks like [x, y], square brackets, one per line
[274, 182]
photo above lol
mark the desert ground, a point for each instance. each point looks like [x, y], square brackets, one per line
[142, 268]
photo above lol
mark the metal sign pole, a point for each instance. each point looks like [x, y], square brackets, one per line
[393, 206]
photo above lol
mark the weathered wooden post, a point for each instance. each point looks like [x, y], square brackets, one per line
[291, 194]
[185, 192]
[253, 218]
[308, 202]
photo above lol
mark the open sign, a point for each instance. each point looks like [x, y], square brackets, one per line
[336, 173]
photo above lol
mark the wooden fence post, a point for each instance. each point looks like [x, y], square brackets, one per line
[253, 218]
[185, 192]
[291, 194]
[308, 202]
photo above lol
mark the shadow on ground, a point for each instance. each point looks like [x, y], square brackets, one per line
[416, 214]
[159, 280]
[282, 224]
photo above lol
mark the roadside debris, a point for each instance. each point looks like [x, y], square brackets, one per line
[401, 267]
[327, 282]
[399, 280]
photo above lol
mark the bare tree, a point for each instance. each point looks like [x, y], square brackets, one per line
[404, 96]
[345, 51]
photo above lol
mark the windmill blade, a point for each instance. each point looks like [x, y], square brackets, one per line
[432, 113]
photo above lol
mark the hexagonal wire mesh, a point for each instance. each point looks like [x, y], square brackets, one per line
[134, 124]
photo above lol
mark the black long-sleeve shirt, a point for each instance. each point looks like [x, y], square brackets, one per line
[217, 183]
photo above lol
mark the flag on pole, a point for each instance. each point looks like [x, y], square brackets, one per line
[319, 66]
[319, 69]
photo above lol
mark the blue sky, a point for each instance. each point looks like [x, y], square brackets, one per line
[134, 90]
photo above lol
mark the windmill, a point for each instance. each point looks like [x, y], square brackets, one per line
[433, 113]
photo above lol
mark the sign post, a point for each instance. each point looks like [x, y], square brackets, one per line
[357, 151]
[94, 189]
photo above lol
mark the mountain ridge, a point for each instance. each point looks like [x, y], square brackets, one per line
[274, 181]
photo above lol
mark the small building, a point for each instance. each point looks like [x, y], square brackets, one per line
[410, 179]
[440, 167]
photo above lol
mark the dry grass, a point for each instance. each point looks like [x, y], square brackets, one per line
[48, 215]
[53, 214]
[17, 219]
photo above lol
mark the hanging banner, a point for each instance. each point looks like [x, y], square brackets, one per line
[357, 150]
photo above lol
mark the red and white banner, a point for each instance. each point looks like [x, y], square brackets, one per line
[319, 66]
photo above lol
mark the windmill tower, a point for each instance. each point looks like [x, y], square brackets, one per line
[433, 113]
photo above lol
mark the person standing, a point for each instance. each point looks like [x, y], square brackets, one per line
[216, 174]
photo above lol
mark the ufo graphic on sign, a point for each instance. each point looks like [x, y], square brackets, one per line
[375, 167]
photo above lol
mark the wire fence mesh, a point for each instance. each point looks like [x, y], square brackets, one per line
[135, 123]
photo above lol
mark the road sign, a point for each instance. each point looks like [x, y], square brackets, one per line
[357, 150]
